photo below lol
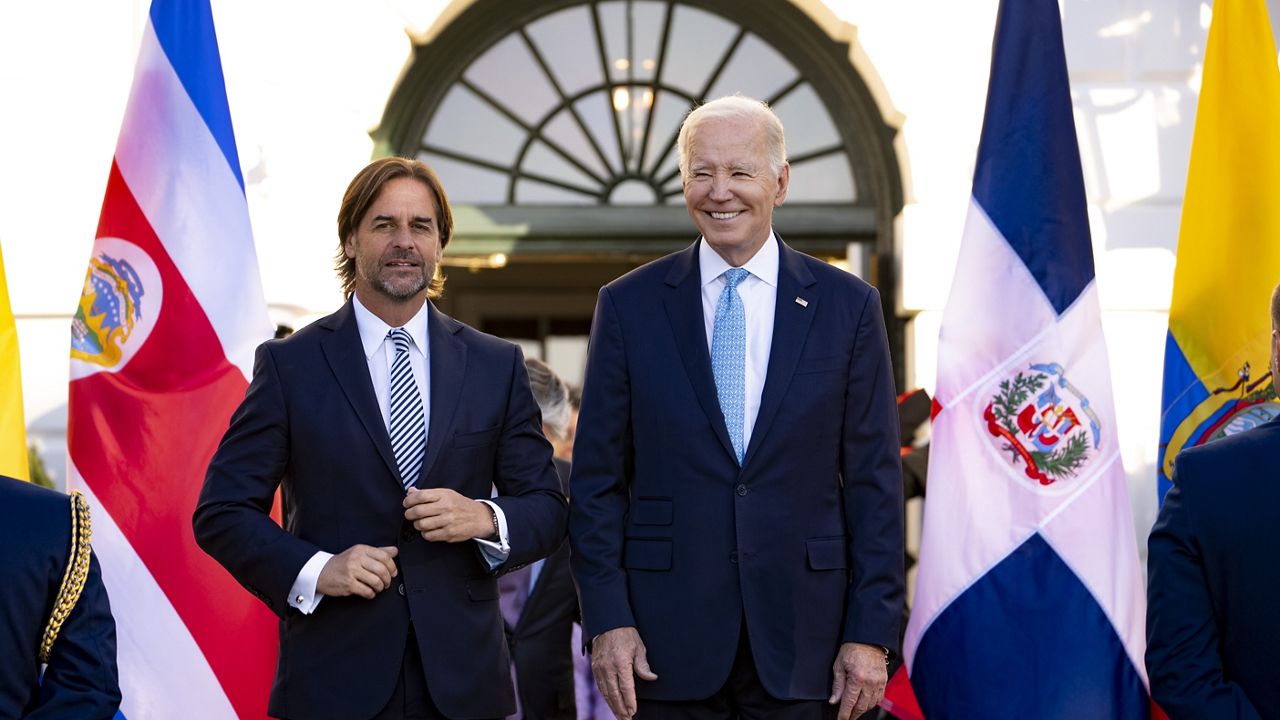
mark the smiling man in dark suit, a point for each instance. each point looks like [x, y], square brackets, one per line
[1213, 632]
[385, 425]
[736, 522]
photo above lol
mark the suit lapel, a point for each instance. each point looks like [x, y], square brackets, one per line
[683, 301]
[791, 322]
[345, 353]
[448, 359]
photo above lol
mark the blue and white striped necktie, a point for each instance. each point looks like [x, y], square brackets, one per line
[408, 421]
[729, 358]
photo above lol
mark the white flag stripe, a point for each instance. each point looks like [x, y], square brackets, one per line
[181, 180]
[1110, 571]
[995, 310]
[151, 639]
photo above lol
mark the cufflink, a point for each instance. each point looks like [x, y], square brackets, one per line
[299, 599]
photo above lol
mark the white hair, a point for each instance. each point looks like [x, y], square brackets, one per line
[552, 396]
[734, 107]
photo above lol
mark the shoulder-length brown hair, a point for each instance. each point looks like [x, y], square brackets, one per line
[363, 192]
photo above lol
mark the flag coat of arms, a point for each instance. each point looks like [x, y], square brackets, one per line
[1216, 381]
[1029, 599]
[161, 350]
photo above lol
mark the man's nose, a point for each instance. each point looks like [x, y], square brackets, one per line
[720, 188]
[402, 238]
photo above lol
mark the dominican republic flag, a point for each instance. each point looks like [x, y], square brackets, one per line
[1029, 600]
[161, 352]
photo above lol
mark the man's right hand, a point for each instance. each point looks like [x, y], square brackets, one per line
[359, 570]
[617, 658]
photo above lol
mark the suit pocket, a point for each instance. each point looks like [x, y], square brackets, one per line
[647, 555]
[483, 587]
[479, 438]
[828, 363]
[651, 511]
[827, 553]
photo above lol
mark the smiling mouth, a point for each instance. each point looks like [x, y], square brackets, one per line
[725, 215]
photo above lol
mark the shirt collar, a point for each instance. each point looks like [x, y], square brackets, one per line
[373, 331]
[763, 265]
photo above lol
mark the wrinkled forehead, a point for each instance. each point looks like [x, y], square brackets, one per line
[728, 141]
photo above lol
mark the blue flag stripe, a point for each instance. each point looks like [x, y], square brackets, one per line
[1028, 177]
[1182, 393]
[1036, 645]
[185, 31]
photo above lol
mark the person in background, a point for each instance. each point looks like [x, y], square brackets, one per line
[1213, 576]
[54, 610]
[591, 704]
[538, 602]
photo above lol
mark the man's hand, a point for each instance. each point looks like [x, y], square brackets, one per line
[615, 655]
[442, 515]
[359, 570]
[861, 674]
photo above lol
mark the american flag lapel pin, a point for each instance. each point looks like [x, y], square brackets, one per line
[801, 301]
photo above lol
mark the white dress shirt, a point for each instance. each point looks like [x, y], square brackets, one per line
[380, 353]
[759, 293]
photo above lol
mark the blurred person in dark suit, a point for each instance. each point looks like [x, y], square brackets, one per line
[1213, 630]
[54, 610]
[539, 603]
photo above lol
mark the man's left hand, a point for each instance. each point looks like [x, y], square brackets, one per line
[442, 515]
[861, 675]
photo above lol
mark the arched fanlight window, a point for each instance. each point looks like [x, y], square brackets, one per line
[582, 107]
[553, 125]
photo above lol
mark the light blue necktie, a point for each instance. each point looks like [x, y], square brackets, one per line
[729, 357]
[408, 427]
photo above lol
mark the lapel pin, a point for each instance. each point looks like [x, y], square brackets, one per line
[802, 302]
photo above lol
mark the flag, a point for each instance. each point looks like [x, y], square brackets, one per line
[13, 434]
[161, 351]
[1216, 377]
[1029, 599]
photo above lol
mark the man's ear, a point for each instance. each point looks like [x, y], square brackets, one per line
[348, 246]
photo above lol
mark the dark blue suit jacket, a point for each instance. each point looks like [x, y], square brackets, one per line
[310, 425]
[81, 681]
[540, 642]
[1213, 591]
[669, 535]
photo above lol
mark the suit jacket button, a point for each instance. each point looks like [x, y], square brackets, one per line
[742, 489]
[733, 556]
[400, 589]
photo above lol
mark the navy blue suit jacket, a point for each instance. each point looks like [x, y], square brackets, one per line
[669, 535]
[81, 681]
[310, 425]
[1213, 590]
[540, 642]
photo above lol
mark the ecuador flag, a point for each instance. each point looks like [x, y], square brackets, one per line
[1216, 381]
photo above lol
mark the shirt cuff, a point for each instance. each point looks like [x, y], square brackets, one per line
[303, 594]
[496, 553]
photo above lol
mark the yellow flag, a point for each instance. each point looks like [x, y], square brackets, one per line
[13, 435]
[1216, 376]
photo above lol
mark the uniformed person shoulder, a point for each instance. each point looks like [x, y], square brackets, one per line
[28, 509]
